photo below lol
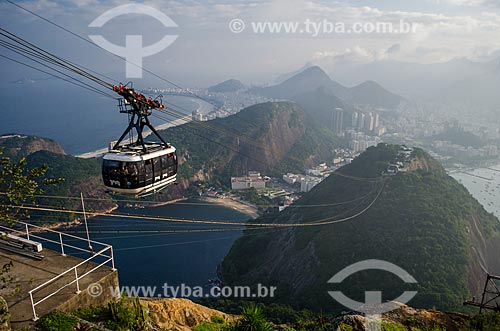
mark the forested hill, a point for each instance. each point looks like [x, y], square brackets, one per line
[272, 138]
[80, 175]
[17, 146]
[423, 221]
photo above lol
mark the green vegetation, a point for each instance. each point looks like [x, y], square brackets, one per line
[252, 319]
[57, 321]
[253, 196]
[81, 175]
[272, 138]
[420, 222]
[19, 184]
[127, 314]
[485, 322]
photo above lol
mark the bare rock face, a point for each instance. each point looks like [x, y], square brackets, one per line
[17, 146]
[179, 314]
[406, 317]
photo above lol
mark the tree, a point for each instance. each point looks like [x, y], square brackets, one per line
[252, 319]
[19, 185]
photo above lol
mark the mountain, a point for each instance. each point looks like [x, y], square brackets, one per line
[17, 146]
[272, 138]
[414, 80]
[80, 175]
[230, 85]
[421, 220]
[305, 81]
[320, 103]
[311, 79]
[282, 77]
[372, 93]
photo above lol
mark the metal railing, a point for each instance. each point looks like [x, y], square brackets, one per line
[106, 252]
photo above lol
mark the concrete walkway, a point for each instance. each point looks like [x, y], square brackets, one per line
[28, 273]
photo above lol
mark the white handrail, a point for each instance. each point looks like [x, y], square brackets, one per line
[67, 271]
[101, 253]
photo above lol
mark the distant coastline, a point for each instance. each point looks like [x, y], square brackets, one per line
[483, 184]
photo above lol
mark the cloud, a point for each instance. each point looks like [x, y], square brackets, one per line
[492, 3]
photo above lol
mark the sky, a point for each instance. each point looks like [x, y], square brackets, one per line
[207, 51]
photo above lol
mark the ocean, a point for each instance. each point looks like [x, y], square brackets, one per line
[152, 259]
[484, 185]
[80, 120]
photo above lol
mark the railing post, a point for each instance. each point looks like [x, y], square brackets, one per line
[112, 259]
[35, 317]
[27, 231]
[77, 283]
[62, 245]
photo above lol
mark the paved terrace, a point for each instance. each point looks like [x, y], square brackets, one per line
[28, 273]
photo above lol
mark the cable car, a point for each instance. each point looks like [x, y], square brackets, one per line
[130, 171]
[139, 167]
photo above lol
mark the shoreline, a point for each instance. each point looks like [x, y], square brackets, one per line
[169, 202]
[240, 206]
[71, 224]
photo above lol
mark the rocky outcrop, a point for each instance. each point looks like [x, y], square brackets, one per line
[407, 318]
[179, 314]
[17, 146]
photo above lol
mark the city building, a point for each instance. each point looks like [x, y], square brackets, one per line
[292, 178]
[253, 179]
[196, 115]
[308, 183]
[354, 119]
[369, 122]
[337, 120]
[361, 120]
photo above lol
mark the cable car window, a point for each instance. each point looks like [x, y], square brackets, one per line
[148, 169]
[164, 165]
[111, 167]
[157, 167]
[175, 162]
[170, 164]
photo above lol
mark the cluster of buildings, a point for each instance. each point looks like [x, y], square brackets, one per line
[233, 102]
[368, 121]
[196, 115]
[449, 149]
[402, 161]
[252, 180]
[311, 178]
[361, 129]
[360, 141]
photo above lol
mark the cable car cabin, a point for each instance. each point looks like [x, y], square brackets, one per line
[130, 170]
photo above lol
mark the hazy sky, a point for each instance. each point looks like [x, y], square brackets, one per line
[206, 51]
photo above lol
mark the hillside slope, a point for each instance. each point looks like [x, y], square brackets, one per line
[230, 85]
[320, 103]
[17, 146]
[271, 137]
[80, 175]
[423, 221]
